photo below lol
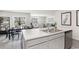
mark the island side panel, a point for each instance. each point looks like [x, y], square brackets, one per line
[68, 39]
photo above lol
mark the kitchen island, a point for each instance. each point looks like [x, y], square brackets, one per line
[38, 39]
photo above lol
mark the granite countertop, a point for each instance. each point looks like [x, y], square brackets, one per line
[37, 33]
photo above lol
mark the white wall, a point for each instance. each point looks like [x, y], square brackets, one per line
[15, 14]
[73, 26]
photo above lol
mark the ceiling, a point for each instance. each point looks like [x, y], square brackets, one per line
[34, 11]
[45, 12]
[49, 12]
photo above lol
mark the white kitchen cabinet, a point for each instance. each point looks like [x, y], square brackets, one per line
[40, 46]
[52, 44]
[48, 42]
[57, 43]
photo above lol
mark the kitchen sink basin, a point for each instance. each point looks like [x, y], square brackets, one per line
[51, 30]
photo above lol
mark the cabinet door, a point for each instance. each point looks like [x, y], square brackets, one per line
[44, 45]
[34, 47]
[40, 46]
[57, 43]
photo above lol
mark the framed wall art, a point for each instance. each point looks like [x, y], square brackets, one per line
[77, 17]
[66, 18]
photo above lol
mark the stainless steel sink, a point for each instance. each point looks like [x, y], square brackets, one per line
[51, 30]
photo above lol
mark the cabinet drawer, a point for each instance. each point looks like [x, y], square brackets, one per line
[35, 41]
[44, 45]
[56, 36]
[42, 39]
